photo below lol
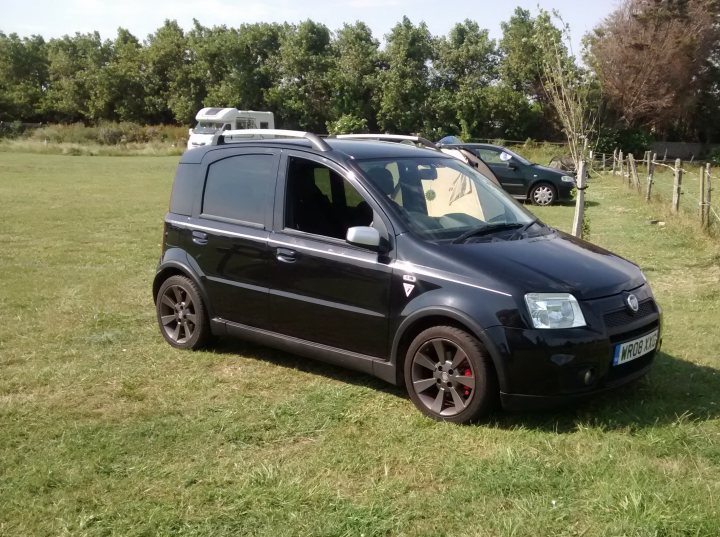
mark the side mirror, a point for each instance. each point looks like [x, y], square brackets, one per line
[364, 236]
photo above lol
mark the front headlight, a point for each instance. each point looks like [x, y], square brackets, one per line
[567, 179]
[554, 310]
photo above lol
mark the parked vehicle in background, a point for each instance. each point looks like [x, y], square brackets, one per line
[467, 157]
[212, 120]
[521, 178]
[398, 261]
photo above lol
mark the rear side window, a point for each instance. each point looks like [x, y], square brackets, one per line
[239, 187]
[186, 188]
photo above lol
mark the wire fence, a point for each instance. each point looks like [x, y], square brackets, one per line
[686, 188]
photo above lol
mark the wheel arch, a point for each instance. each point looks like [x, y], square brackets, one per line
[439, 316]
[175, 268]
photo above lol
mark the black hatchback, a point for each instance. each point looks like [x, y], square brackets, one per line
[521, 178]
[401, 262]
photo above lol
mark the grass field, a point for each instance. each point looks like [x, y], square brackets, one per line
[106, 430]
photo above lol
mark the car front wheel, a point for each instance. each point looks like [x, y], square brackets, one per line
[543, 194]
[449, 376]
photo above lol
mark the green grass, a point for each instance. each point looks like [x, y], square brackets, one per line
[106, 430]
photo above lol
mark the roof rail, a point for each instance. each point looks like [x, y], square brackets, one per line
[245, 134]
[389, 138]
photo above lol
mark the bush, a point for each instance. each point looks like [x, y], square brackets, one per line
[110, 134]
[12, 129]
[635, 141]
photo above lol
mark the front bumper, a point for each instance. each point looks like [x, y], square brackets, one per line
[519, 402]
[545, 367]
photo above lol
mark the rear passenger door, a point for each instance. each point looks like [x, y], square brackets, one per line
[230, 228]
[325, 290]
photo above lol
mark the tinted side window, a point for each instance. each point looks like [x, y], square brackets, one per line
[186, 188]
[239, 187]
[321, 202]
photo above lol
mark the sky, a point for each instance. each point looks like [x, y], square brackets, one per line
[54, 18]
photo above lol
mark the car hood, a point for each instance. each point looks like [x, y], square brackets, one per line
[556, 262]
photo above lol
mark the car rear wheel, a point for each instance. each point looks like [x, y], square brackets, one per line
[543, 194]
[181, 313]
[448, 375]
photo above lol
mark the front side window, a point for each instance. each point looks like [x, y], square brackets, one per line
[319, 201]
[442, 198]
[239, 188]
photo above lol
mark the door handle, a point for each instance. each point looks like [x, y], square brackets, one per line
[286, 255]
[200, 238]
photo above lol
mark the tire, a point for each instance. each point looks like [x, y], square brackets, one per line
[181, 314]
[449, 376]
[543, 194]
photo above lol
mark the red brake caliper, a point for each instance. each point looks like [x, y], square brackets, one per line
[466, 390]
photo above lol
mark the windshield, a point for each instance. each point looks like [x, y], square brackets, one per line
[443, 198]
[207, 127]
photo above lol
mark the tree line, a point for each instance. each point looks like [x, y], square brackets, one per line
[644, 73]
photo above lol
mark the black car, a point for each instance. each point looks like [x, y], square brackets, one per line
[520, 177]
[401, 262]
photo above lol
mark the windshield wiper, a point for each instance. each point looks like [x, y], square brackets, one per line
[484, 230]
[523, 229]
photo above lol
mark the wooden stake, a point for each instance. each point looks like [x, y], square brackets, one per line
[634, 173]
[614, 168]
[603, 162]
[620, 161]
[579, 201]
[708, 195]
[703, 173]
[677, 187]
[651, 172]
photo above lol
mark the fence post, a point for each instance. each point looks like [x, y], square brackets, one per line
[703, 173]
[648, 155]
[651, 172]
[708, 195]
[635, 175]
[579, 202]
[677, 186]
[603, 162]
[614, 160]
[621, 161]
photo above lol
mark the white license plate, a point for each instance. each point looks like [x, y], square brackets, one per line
[628, 351]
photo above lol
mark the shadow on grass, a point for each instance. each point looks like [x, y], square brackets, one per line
[675, 390]
[249, 350]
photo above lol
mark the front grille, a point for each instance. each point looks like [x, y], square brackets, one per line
[623, 316]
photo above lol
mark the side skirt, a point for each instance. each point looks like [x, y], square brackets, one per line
[382, 369]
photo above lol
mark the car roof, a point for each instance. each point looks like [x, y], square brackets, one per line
[474, 144]
[351, 149]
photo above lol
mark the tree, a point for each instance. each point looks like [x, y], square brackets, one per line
[248, 70]
[521, 69]
[301, 97]
[170, 93]
[566, 86]
[353, 77]
[117, 91]
[465, 66]
[651, 60]
[23, 77]
[404, 80]
[74, 68]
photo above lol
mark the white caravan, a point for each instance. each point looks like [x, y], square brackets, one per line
[212, 120]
